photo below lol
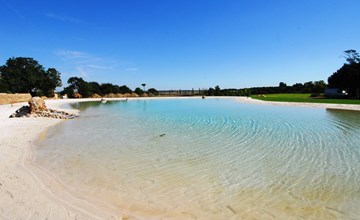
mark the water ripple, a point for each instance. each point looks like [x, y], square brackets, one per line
[220, 160]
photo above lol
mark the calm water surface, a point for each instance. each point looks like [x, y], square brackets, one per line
[210, 159]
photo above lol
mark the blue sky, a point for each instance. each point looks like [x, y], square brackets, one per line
[183, 44]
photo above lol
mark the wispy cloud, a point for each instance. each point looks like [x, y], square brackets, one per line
[85, 64]
[79, 57]
[63, 18]
[71, 54]
[13, 9]
[81, 72]
[99, 67]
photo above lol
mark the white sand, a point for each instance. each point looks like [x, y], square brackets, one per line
[27, 192]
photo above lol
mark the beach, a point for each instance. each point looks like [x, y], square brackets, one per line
[28, 192]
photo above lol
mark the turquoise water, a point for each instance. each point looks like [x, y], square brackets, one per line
[210, 159]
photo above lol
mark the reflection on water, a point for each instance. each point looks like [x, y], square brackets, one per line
[82, 106]
[349, 116]
[345, 120]
[218, 159]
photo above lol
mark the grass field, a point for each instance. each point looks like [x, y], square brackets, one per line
[299, 97]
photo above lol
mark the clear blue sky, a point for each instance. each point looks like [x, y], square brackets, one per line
[183, 44]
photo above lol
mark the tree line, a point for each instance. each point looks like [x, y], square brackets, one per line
[26, 75]
[316, 87]
[346, 78]
[77, 85]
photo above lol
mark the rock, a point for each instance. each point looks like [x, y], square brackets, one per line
[37, 108]
[21, 112]
[37, 104]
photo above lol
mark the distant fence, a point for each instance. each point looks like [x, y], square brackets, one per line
[181, 92]
[12, 98]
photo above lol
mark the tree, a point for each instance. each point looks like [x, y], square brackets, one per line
[211, 92]
[144, 84]
[26, 75]
[139, 91]
[297, 87]
[282, 87]
[50, 82]
[319, 86]
[107, 88]
[352, 56]
[348, 76]
[308, 87]
[3, 86]
[78, 85]
[217, 91]
[124, 89]
[153, 91]
[94, 88]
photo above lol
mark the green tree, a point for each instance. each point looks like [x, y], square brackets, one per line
[348, 76]
[85, 90]
[50, 81]
[352, 56]
[26, 75]
[319, 86]
[153, 91]
[143, 85]
[77, 85]
[139, 91]
[124, 89]
[297, 87]
[245, 92]
[217, 91]
[282, 87]
[211, 92]
[3, 86]
[95, 88]
[107, 88]
[308, 87]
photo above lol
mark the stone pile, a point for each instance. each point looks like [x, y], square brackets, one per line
[37, 108]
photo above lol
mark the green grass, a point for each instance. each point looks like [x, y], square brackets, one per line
[299, 97]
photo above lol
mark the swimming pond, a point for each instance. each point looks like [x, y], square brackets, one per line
[209, 159]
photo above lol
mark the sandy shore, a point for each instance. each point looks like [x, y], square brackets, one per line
[27, 192]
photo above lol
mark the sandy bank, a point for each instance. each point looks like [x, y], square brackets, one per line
[22, 194]
[27, 192]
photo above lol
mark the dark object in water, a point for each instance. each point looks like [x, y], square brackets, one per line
[203, 97]
[162, 135]
[231, 209]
